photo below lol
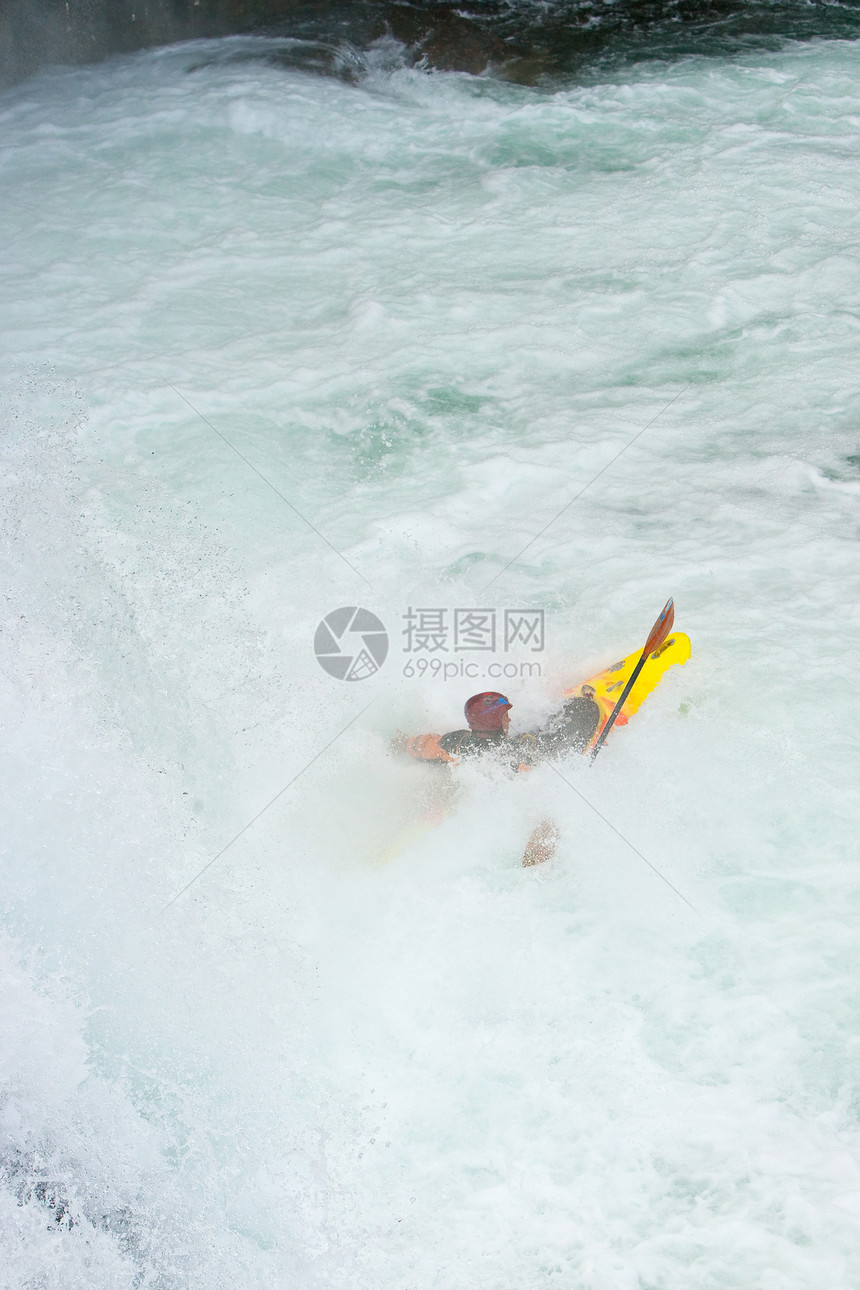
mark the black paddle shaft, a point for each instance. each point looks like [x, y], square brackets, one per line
[615, 711]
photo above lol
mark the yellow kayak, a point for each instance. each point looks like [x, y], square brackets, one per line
[606, 686]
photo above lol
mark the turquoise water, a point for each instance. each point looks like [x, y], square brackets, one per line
[275, 345]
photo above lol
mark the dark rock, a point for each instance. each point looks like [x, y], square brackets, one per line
[36, 33]
[525, 41]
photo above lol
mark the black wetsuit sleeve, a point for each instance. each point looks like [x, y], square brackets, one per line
[450, 743]
[569, 730]
[465, 743]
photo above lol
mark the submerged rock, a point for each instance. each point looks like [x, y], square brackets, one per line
[526, 42]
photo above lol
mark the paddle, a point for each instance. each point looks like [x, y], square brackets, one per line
[659, 632]
[541, 844]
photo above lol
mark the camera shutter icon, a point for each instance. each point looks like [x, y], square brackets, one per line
[351, 643]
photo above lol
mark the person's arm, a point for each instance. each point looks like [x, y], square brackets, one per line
[568, 730]
[422, 747]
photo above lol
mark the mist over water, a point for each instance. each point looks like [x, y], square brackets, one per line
[278, 343]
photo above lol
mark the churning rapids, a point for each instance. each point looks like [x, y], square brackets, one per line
[275, 344]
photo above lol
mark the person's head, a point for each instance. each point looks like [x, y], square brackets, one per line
[488, 712]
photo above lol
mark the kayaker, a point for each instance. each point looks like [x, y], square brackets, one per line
[488, 717]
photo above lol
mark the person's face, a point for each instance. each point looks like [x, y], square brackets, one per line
[506, 721]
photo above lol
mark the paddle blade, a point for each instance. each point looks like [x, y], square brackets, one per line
[542, 844]
[661, 628]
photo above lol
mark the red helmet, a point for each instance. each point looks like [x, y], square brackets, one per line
[487, 711]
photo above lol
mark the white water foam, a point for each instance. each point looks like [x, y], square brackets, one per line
[428, 311]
